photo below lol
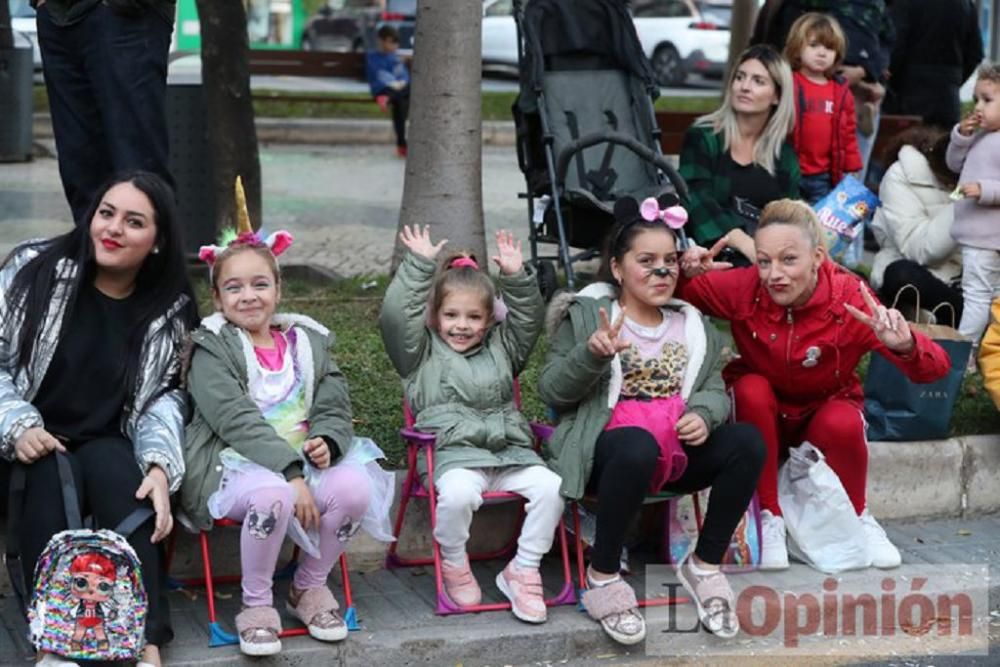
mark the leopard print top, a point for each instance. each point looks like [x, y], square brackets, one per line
[659, 376]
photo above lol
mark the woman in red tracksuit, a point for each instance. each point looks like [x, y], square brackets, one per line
[801, 324]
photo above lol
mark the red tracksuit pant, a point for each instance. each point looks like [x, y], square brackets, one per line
[836, 428]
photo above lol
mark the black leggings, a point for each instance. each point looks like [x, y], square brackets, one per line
[399, 103]
[107, 478]
[729, 461]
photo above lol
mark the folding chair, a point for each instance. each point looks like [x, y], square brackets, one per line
[581, 570]
[216, 635]
[417, 443]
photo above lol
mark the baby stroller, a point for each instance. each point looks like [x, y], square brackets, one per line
[586, 129]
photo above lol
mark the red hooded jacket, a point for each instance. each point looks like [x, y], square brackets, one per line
[845, 157]
[778, 342]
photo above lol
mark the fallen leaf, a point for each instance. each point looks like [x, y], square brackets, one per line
[963, 532]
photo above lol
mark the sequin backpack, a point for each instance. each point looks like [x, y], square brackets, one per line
[88, 601]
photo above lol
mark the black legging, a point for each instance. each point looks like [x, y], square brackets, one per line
[729, 461]
[933, 291]
[399, 103]
[107, 478]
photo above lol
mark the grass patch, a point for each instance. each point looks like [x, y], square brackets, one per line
[350, 308]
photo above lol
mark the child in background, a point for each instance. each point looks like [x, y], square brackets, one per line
[824, 136]
[974, 153]
[271, 442]
[389, 80]
[458, 367]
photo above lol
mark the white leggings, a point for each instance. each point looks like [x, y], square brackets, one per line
[980, 284]
[460, 493]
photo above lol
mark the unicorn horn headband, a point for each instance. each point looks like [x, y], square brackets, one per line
[244, 235]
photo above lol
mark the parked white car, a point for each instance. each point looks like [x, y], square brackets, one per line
[679, 40]
[499, 36]
[23, 21]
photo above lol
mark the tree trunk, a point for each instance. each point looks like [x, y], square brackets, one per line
[443, 185]
[225, 72]
[6, 30]
[741, 25]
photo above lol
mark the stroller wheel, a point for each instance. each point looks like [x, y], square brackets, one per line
[548, 282]
[667, 66]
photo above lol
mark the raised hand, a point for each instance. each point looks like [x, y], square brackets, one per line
[508, 257]
[419, 241]
[697, 260]
[889, 325]
[604, 342]
[969, 124]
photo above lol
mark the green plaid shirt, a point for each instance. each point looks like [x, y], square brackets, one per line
[710, 188]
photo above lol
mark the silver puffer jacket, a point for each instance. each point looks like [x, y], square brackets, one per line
[154, 417]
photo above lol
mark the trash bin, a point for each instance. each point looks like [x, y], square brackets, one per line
[191, 162]
[16, 71]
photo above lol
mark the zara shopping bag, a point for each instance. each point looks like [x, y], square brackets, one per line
[824, 530]
[88, 601]
[898, 409]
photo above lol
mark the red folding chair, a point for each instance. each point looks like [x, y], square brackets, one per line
[216, 635]
[417, 443]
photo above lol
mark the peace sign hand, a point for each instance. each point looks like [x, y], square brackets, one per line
[508, 257]
[889, 325]
[419, 241]
[697, 260]
[604, 343]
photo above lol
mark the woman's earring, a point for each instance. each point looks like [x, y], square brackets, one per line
[156, 251]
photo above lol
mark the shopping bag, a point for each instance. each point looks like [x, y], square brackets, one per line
[684, 519]
[899, 409]
[824, 530]
[842, 214]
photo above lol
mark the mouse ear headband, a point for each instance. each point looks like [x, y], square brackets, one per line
[244, 235]
[665, 208]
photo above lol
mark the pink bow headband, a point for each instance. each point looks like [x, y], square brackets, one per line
[463, 262]
[674, 217]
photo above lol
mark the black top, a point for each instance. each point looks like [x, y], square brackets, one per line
[68, 12]
[752, 182]
[83, 393]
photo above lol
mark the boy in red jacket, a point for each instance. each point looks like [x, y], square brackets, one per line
[824, 136]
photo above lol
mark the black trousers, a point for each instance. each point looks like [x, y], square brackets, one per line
[730, 462]
[933, 292]
[399, 104]
[107, 478]
[106, 77]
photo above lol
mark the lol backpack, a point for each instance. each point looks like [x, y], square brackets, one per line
[88, 601]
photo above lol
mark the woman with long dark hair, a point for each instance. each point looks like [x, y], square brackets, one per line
[91, 328]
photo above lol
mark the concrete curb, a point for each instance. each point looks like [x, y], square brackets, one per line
[325, 131]
[906, 480]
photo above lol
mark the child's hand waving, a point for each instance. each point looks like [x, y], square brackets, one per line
[508, 257]
[419, 241]
[318, 452]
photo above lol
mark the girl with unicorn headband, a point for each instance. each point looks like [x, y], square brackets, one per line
[271, 442]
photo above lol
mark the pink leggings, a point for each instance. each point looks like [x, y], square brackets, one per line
[265, 505]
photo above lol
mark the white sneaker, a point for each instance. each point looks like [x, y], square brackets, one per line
[774, 551]
[883, 554]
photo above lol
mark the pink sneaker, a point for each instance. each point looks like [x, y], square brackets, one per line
[459, 583]
[523, 587]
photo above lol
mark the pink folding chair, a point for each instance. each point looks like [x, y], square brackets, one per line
[423, 443]
[216, 635]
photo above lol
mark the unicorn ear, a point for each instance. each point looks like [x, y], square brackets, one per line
[207, 253]
[279, 242]
[626, 209]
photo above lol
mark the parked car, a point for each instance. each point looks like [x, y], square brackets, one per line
[499, 36]
[23, 21]
[679, 40]
[350, 25]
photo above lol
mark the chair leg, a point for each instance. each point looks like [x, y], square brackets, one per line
[350, 613]
[216, 635]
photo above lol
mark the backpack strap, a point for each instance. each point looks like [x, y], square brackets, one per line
[131, 523]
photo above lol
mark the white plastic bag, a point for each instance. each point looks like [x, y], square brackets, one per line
[825, 531]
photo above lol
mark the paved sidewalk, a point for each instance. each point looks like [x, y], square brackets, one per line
[399, 626]
[341, 202]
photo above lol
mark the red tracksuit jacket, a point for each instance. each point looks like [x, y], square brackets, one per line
[778, 343]
[845, 156]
